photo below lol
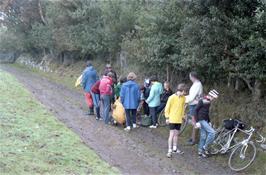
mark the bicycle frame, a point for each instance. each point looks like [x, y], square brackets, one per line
[231, 134]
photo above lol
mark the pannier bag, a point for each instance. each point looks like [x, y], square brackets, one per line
[145, 120]
[232, 123]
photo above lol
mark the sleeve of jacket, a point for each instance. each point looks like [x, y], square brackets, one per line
[199, 105]
[151, 96]
[167, 108]
[122, 94]
[97, 77]
[161, 91]
[138, 93]
[84, 79]
[195, 90]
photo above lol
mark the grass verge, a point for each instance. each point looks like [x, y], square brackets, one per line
[32, 141]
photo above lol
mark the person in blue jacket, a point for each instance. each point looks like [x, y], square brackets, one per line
[154, 99]
[89, 78]
[130, 98]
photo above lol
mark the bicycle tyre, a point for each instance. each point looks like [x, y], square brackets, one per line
[183, 126]
[161, 119]
[237, 153]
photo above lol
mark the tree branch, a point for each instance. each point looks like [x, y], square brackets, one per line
[247, 81]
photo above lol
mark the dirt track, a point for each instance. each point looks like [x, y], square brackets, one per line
[142, 151]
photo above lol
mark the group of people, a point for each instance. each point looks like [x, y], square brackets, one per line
[152, 98]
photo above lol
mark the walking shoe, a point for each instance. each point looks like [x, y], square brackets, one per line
[153, 127]
[127, 128]
[97, 118]
[178, 151]
[91, 111]
[169, 155]
[87, 113]
[202, 154]
[190, 142]
[135, 125]
[206, 152]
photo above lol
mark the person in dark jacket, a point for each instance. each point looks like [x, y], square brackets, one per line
[145, 92]
[108, 68]
[130, 98]
[207, 133]
[167, 92]
[89, 78]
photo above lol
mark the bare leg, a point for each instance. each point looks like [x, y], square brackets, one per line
[175, 139]
[170, 140]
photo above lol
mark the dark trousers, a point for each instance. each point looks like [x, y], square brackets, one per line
[153, 113]
[160, 108]
[146, 109]
[131, 114]
[106, 100]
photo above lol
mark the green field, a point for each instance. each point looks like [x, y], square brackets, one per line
[33, 141]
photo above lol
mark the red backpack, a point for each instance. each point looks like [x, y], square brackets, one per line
[95, 88]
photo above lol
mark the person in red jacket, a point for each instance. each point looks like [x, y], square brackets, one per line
[106, 94]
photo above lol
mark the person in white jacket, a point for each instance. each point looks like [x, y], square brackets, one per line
[195, 94]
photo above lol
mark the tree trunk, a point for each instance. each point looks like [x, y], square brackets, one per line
[41, 12]
[237, 84]
[229, 81]
[257, 94]
[167, 73]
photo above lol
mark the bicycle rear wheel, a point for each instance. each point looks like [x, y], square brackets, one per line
[161, 119]
[220, 140]
[184, 125]
[242, 156]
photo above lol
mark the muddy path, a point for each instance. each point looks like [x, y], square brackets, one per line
[141, 151]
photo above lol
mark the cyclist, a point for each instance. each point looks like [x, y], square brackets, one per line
[195, 94]
[174, 112]
[207, 133]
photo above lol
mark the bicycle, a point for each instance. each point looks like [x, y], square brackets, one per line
[162, 121]
[243, 152]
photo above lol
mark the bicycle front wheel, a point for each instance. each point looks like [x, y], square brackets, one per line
[242, 156]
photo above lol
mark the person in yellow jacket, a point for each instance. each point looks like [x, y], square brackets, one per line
[174, 114]
[119, 114]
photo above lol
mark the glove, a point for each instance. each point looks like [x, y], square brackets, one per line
[197, 125]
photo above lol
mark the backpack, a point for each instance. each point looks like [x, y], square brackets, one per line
[95, 88]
